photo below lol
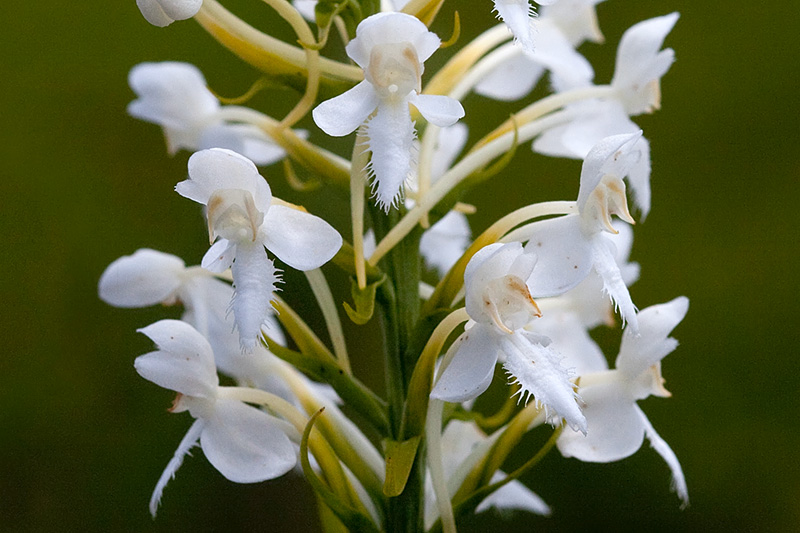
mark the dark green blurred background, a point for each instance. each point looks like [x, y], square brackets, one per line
[83, 439]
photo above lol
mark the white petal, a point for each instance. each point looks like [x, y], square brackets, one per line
[391, 140]
[306, 8]
[472, 367]
[181, 9]
[439, 110]
[615, 429]
[145, 278]
[219, 257]
[245, 139]
[514, 495]
[577, 19]
[384, 28]
[539, 372]
[570, 339]
[341, 115]
[613, 156]
[449, 144]
[487, 265]
[184, 361]
[640, 65]
[639, 352]
[613, 284]
[639, 178]
[512, 79]
[564, 256]
[444, 243]
[171, 94]
[154, 13]
[245, 444]
[217, 169]
[301, 240]
[663, 449]
[254, 280]
[186, 444]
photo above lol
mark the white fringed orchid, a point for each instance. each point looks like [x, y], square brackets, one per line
[572, 246]
[617, 424]
[391, 48]
[164, 12]
[500, 305]
[241, 216]
[175, 96]
[245, 444]
[463, 446]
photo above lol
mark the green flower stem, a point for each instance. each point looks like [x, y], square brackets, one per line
[322, 291]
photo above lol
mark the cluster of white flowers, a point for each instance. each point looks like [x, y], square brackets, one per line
[530, 287]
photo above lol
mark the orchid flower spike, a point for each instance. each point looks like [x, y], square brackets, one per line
[242, 217]
[391, 48]
[175, 96]
[618, 425]
[245, 444]
[570, 247]
[164, 12]
[500, 305]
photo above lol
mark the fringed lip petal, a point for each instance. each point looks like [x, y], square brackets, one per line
[301, 240]
[343, 114]
[245, 444]
[145, 278]
[184, 361]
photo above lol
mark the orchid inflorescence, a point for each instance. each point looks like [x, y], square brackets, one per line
[519, 299]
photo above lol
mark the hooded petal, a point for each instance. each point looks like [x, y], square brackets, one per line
[154, 13]
[639, 352]
[341, 115]
[615, 429]
[564, 255]
[181, 9]
[439, 110]
[299, 239]
[219, 169]
[245, 444]
[613, 156]
[386, 28]
[145, 278]
[471, 370]
[184, 361]
[537, 368]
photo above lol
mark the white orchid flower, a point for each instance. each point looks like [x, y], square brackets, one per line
[391, 48]
[618, 425]
[241, 216]
[570, 247]
[463, 444]
[500, 305]
[306, 7]
[174, 95]
[164, 12]
[577, 20]
[245, 444]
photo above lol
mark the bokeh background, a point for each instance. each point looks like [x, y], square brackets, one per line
[83, 438]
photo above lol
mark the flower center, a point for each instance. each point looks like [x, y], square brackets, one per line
[232, 214]
[508, 302]
[394, 70]
[607, 199]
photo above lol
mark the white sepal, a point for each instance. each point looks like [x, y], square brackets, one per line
[145, 278]
[472, 368]
[299, 239]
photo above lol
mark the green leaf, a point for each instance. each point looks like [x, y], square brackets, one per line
[399, 460]
[351, 518]
[364, 300]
